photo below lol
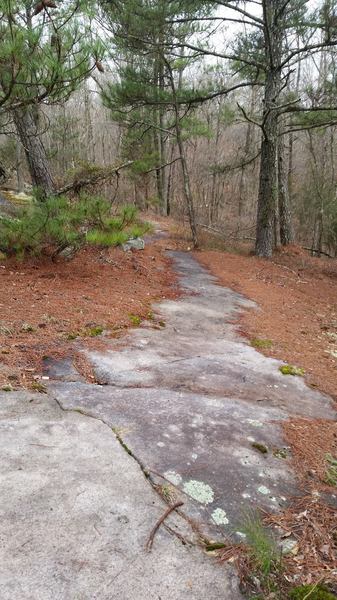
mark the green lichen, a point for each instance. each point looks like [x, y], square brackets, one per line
[135, 320]
[311, 592]
[7, 388]
[162, 323]
[260, 343]
[260, 447]
[291, 370]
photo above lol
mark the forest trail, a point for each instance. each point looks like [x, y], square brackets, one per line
[182, 401]
[189, 399]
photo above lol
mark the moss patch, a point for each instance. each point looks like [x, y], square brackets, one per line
[331, 472]
[311, 592]
[135, 320]
[259, 343]
[291, 370]
[260, 447]
[94, 331]
[39, 387]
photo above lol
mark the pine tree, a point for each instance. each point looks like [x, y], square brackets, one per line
[151, 96]
[44, 57]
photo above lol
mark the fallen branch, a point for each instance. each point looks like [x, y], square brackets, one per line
[94, 177]
[318, 252]
[168, 511]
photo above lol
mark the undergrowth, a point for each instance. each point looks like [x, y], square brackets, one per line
[49, 227]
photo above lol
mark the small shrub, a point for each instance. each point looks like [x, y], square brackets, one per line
[50, 226]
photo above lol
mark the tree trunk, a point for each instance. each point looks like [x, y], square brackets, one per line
[268, 166]
[184, 167]
[247, 152]
[18, 166]
[38, 164]
[286, 229]
[268, 178]
[187, 184]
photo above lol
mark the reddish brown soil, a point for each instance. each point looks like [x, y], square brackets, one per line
[297, 296]
[57, 300]
[311, 441]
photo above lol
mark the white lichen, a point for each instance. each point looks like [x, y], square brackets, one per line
[219, 517]
[173, 477]
[200, 491]
[254, 422]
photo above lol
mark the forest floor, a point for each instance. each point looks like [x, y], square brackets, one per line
[48, 308]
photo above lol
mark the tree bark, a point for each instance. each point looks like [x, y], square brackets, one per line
[267, 197]
[286, 228]
[30, 138]
[268, 177]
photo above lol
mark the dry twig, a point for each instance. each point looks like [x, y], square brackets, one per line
[167, 512]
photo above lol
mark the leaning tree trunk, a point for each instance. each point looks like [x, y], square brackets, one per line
[286, 228]
[267, 198]
[30, 138]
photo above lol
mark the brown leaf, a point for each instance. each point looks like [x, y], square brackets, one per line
[38, 8]
[99, 66]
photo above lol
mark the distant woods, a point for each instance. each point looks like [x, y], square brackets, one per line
[222, 113]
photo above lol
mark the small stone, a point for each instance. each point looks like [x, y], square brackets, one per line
[289, 546]
[134, 244]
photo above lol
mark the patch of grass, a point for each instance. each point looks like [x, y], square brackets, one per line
[259, 343]
[331, 471]
[135, 320]
[262, 546]
[311, 592]
[291, 370]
